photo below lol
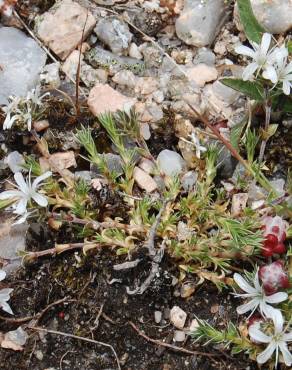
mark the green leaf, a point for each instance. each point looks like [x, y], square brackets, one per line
[289, 46]
[252, 28]
[235, 134]
[252, 89]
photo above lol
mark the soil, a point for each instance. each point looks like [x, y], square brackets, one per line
[91, 292]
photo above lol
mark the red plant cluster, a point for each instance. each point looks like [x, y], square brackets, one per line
[275, 235]
[6, 7]
[274, 277]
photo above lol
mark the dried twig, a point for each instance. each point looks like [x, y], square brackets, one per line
[47, 331]
[170, 346]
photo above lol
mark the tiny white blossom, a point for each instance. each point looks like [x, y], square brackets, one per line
[258, 297]
[198, 146]
[26, 191]
[260, 54]
[276, 342]
[5, 295]
[280, 72]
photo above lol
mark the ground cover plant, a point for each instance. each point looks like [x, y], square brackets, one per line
[125, 221]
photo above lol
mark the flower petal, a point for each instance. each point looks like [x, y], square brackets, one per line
[266, 310]
[19, 179]
[249, 71]
[5, 307]
[249, 306]
[287, 337]
[277, 297]
[265, 43]
[287, 356]
[2, 275]
[10, 194]
[39, 179]
[244, 50]
[258, 335]
[278, 321]
[21, 206]
[243, 284]
[40, 199]
[286, 87]
[267, 353]
[270, 74]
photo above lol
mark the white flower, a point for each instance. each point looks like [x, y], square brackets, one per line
[277, 341]
[26, 192]
[260, 54]
[198, 146]
[280, 72]
[258, 297]
[4, 295]
[9, 109]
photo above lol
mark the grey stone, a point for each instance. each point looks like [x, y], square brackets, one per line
[170, 162]
[21, 61]
[199, 21]
[205, 56]
[189, 180]
[114, 164]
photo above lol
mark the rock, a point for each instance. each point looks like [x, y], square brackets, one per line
[148, 22]
[50, 76]
[194, 325]
[239, 202]
[179, 336]
[145, 130]
[189, 180]
[87, 74]
[62, 26]
[100, 58]
[113, 162]
[146, 165]
[158, 96]
[114, 33]
[103, 98]
[274, 15]
[149, 111]
[134, 51]
[146, 85]
[205, 56]
[178, 317]
[170, 162]
[157, 316]
[187, 289]
[58, 161]
[21, 61]
[126, 78]
[201, 74]
[225, 93]
[199, 21]
[41, 125]
[83, 175]
[144, 180]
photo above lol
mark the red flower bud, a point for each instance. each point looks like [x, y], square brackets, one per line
[274, 277]
[280, 248]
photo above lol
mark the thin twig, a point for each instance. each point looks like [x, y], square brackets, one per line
[48, 331]
[170, 346]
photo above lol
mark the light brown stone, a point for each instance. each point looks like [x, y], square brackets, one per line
[61, 27]
[103, 98]
[202, 73]
[143, 180]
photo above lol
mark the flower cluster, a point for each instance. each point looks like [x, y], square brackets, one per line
[275, 234]
[22, 110]
[263, 292]
[25, 193]
[272, 62]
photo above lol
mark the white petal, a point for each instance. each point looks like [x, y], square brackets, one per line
[249, 71]
[287, 356]
[270, 74]
[41, 200]
[256, 281]
[2, 275]
[278, 321]
[287, 337]
[267, 353]
[258, 335]
[266, 41]
[5, 307]
[40, 179]
[243, 284]
[250, 306]
[11, 194]
[22, 219]
[18, 176]
[244, 50]
[277, 297]
[266, 310]
[286, 87]
[21, 207]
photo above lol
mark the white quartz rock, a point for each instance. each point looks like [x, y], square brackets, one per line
[21, 61]
[170, 162]
[199, 21]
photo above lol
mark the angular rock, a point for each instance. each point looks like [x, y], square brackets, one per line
[157, 316]
[201, 74]
[205, 56]
[178, 317]
[103, 98]
[62, 26]
[113, 162]
[100, 58]
[21, 61]
[50, 76]
[199, 21]
[179, 336]
[126, 78]
[143, 180]
[114, 33]
[58, 161]
[170, 162]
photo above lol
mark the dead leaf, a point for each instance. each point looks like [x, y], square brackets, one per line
[13, 339]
